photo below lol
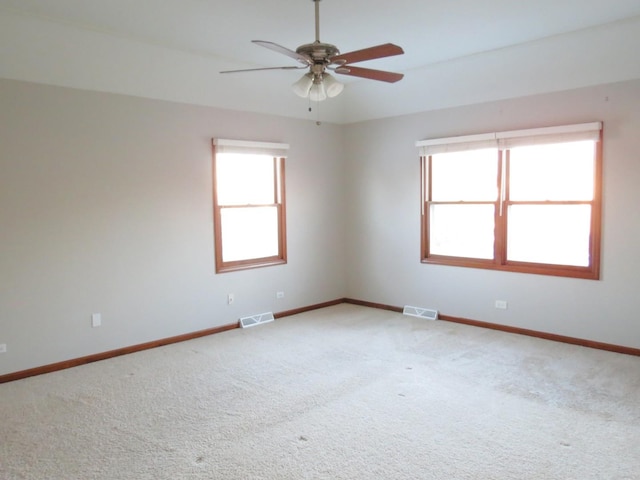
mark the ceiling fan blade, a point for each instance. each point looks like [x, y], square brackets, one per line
[265, 68]
[371, 53]
[380, 75]
[285, 51]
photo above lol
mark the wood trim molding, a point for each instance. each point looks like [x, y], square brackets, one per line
[54, 367]
[76, 362]
[546, 336]
[502, 204]
[519, 331]
[296, 311]
[279, 202]
[379, 306]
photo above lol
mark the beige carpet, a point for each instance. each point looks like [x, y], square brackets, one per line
[341, 393]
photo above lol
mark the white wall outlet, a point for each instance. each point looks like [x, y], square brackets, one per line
[501, 304]
[230, 298]
[96, 320]
[3, 348]
[279, 294]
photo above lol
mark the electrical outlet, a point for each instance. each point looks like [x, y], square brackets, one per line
[3, 348]
[279, 294]
[96, 320]
[501, 304]
[230, 298]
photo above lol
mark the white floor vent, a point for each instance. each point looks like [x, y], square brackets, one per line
[253, 320]
[420, 312]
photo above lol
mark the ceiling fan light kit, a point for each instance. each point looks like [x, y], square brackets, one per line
[317, 88]
[318, 57]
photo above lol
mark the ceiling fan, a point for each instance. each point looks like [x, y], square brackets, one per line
[319, 57]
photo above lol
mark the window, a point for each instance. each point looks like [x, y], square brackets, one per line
[248, 204]
[525, 201]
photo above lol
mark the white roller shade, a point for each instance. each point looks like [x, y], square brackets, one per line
[541, 136]
[224, 145]
[511, 139]
[457, 144]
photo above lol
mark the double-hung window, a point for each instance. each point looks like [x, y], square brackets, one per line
[248, 204]
[526, 201]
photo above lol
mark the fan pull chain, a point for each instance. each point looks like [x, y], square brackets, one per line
[318, 113]
[318, 122]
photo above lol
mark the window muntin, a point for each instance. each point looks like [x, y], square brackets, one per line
[249, 210]
[546, 214]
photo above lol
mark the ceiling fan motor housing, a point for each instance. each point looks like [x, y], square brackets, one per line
[319, 52]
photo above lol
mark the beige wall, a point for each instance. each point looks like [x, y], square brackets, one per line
[384, 220]
[105, 206]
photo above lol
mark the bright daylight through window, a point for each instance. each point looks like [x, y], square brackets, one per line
[249, 204]
[526, 201]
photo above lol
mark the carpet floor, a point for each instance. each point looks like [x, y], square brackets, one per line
[345, 392]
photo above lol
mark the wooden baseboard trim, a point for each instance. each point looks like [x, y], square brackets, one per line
[76, 362]
[296, 311]
[520, 331]
[380, 306]
[54, 367]
[546, 336]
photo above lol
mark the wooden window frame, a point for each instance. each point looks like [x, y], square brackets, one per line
[279, 203]
[499, 261]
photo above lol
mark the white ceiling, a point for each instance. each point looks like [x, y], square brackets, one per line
[456, 51]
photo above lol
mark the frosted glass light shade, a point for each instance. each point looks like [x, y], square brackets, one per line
[302, 86]
[332, 86]
[317, 92]
[317, 88]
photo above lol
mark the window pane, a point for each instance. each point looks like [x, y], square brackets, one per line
[465, 176]
[562, 171]
[462, 230]
[249, 233]
[244, 179]
[553, 234]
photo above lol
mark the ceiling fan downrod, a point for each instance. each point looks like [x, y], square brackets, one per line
[317, 2]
